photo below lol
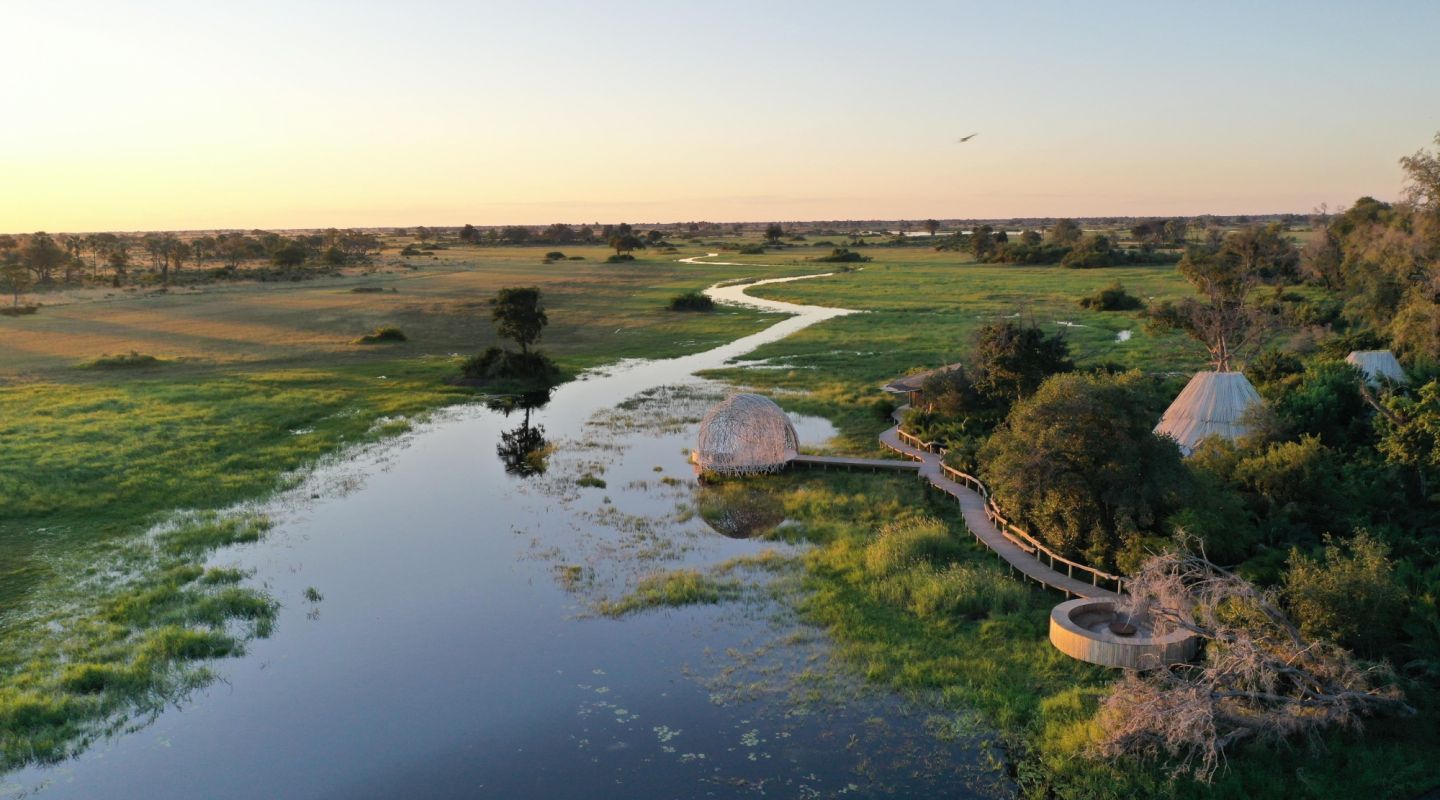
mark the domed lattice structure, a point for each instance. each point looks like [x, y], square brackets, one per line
[746, 433]
[1212, 404]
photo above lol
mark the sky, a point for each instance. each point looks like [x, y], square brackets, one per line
[150, 115]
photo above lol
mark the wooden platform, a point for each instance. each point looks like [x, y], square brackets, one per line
[973, 508]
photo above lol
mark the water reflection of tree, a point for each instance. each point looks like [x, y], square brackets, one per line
[523, 449]
[740, 512]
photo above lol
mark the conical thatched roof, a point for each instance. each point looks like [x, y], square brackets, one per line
[746, 433]
[1212, 403]
[1377, 365]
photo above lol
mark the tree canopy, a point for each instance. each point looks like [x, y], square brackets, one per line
[519, 316]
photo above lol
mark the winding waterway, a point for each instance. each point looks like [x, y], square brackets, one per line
[454, 652]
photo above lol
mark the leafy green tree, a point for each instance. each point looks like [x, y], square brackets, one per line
[982, 243]
[1010, 361]
[1349, 596]
[1409, 429]
[469, 234]
[932, 227]
[42, 256]
[14, 277]
[625, 242]
[289, 254]
[1079, 466]
[774, 232]
[1064, 232]
[519, 316]
[1093, 250]
[1422, 178]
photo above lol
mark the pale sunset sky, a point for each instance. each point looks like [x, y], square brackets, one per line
[186, 115]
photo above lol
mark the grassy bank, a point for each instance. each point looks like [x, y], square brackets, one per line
[233, 391]
[913, 603]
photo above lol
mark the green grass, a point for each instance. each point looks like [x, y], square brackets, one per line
[107, 648]
[914, 604]
[684, 587]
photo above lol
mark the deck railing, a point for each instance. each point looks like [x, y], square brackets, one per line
[1017, 535]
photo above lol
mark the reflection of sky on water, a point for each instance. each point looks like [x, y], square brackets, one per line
[448, 660]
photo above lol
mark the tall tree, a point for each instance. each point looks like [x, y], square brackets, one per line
[1064, 232]
[932, 227]
[42, 256]
[14, 277]
[774, 232]
[518, 315]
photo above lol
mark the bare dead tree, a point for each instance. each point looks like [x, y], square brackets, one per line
[1259, 679]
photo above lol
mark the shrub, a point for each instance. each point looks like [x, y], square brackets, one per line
[1094, 250]
[411, 250]
[554, 255]
[388, 333]
[903, 544]
[1111, 298]
[496, 363]
[1350, 598]
[619, 259]
[691, 301]
[842, 255]
[752, 250]
[17, 311]
[128, 360]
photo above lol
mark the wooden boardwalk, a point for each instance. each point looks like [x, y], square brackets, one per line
[1017, 548]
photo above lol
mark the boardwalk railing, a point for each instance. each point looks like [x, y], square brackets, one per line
[1019, 536]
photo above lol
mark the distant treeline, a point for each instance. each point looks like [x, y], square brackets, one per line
[42, 260]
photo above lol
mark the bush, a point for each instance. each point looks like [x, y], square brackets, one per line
[752, 250]
[128, 360]
[1350, 598]
[1111, 298]
[554, 255]
[411, 250]
[1095, 250]
[499, 364]
[388, 333]
[842, 255]
[691, 301]
[903, 544]
[619, 259]
[17, 311]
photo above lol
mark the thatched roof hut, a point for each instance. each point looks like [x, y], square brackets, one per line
[1211, 404]
[1378, 366]
[746, 433]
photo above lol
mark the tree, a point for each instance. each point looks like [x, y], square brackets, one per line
[625, 242]
[179, 253]
[14, 277]
[1078, 465]
[1093, 250]
[118, 258]
[289, 254]
[932, 227]
[1422, 178]
[1064, 232]
[982, 242]
[424, 234]
[42, 257]
[469, 234]
[1350, 597]
[1261, 679]
[519, 316]
[1010, 361]
[774, 232]
[1222, 320]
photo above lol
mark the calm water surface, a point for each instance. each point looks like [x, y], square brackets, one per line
[454, 653]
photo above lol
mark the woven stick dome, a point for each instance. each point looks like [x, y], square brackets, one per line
[746, 433]
[1377, 365]
[1211, 404]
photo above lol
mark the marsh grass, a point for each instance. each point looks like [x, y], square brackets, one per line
[672, 589]
[120, 648]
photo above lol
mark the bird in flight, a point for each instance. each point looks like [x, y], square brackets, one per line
[966, 138]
